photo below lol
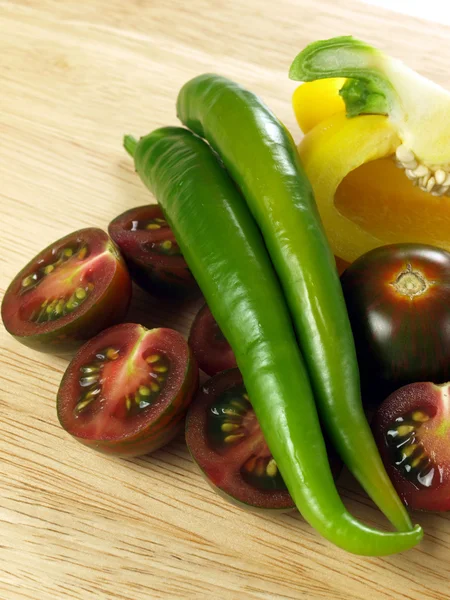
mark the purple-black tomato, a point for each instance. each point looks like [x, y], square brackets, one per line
[225, 440]
[412, 430]
[68, 293]
[152, 253]
[398, 300]
[127, 390]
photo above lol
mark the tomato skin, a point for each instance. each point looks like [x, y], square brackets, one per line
[430, 401]
[402, 335]
[168, 421]
[223, 476]
[109, 308]
[211, 349]
[158, 274]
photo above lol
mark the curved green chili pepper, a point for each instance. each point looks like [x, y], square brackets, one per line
[225, 251]
[261, 157]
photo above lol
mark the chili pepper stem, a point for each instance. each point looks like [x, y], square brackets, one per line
[130, 143]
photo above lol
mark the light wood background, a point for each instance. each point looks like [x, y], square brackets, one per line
[74, 77]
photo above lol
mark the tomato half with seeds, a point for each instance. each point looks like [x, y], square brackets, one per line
[225, 440]
[398, 300]
[151, 252]
[211, 349]
[412, 430]
[68, 293]
[127, 390]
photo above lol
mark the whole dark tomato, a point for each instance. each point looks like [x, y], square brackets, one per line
[152, 253]
[68, 293]
[412, 430]
[398, 300]
[127, 390]
[225, 440]
[211, 349]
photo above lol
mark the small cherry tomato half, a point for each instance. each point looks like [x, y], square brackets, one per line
[398, 300]
[412, 430]
[225, 440]
[211, 349]
[68, 293]
[151, 252]
[127, 390]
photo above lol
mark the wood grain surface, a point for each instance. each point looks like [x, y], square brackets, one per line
[74, 77]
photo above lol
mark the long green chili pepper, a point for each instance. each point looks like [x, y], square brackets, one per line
[261, 157]
[225, 251]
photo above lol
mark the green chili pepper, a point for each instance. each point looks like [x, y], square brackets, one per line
[225, 251]
[261, 157]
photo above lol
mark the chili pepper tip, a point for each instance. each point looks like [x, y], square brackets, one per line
[130, 143]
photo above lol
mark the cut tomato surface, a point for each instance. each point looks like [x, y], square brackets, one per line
[211, 349]
[127, 390]
[69, 292]
[151, 251]
[225, 440]
[412, 429]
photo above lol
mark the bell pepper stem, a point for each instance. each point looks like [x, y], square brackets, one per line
[368, 89]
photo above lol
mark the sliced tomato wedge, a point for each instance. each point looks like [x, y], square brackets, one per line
[151, 252]
[225, 440]
[412, 430]
[211, 349]
[68, 293]
[127, 390]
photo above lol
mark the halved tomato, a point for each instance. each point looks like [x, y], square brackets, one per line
[412, 429]
[211, 349]
[151, 252]
[68, 293]
[225, 440]
[127, 390]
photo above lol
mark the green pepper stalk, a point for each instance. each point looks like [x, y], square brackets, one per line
[418, 108]
[225, 252]
[262, 159]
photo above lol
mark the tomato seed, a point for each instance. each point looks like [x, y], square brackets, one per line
[153, 226]
[403, 430]
[153, 358]
[89, 380]
[271, 468]
[227, 427]
[234, 437]
[144, 390]
[82, 405]
[420, 416]
[112, 354]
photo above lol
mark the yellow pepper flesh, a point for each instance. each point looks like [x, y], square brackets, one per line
[364, 199]
[316, 101]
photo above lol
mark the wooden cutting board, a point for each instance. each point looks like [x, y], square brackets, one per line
[74, 77]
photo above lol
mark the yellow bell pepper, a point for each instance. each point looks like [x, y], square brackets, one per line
[376, 147]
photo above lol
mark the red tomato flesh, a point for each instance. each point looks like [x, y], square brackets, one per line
[68, 292]
[225, 440]
[211, 349]
[127, 390]
[412, 430]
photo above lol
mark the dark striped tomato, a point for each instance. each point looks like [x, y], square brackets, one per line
[225, 440]
[68, 293]
[211, 349]
[127, 390]
[398, 300]
[412, 429]
[151, 252]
